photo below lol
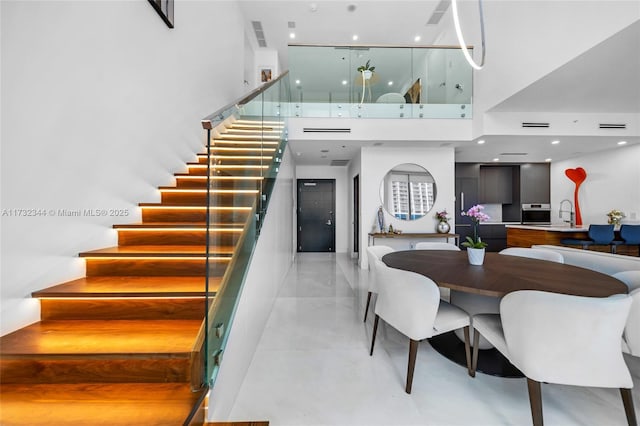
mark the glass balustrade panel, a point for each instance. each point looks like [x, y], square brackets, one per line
[397, 82]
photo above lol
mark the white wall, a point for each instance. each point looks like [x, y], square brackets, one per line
[343, 227]
[270, 263]
[376, 162]
[101, 103]
[613, 182]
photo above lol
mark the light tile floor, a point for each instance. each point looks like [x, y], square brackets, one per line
[312, 367]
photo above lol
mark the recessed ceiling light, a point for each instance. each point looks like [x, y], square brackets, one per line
[292, 35]
[297, 81]
[355, 37]
[481, 141]
[344, 82]
[496, 159]
[390, 83]
[622, 143]
[548, 160]
[417, 38]
[555, 142]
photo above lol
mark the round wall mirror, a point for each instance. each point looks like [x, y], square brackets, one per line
[408, 192]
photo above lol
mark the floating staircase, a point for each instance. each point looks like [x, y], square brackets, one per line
[121, 346]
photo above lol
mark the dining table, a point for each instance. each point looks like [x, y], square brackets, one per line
[499, 275]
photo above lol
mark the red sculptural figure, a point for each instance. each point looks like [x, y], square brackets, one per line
[577, 175]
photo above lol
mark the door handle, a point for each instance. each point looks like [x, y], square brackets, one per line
[328, 222]
[462, 201]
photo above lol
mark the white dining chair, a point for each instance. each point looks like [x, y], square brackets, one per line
[630, 278]
[374, 253]
[445, 294]
[562, 339]
[631, 338]
[411, 304]
[532, 253]
[428, 245]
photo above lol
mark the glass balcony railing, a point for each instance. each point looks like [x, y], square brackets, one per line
[405, 82]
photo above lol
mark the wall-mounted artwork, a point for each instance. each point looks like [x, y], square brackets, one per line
[265, 74]
[165, 10]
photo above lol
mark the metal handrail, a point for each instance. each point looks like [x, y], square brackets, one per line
[206, 122]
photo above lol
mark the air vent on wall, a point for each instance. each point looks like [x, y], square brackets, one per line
[535, 125]
[257, 29]
[613, 126]
[339, 162]
[325, 130]
[514, 153]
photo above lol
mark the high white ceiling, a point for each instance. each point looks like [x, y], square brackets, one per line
[602, 80]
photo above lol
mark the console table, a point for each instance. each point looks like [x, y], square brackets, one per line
[415, 236]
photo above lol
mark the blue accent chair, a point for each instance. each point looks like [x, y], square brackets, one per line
[631, 235]
[598, 235]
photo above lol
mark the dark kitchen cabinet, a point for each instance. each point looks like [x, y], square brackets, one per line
[535, 183]
[467, 175]
[494, 235]
[496, 185]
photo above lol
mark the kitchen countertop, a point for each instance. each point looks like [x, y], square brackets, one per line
[550, 228]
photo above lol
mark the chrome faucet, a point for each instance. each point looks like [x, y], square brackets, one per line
[572, 215]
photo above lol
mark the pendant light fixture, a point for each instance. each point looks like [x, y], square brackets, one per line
[463, 45]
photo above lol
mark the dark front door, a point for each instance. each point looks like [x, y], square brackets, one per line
[316, 206]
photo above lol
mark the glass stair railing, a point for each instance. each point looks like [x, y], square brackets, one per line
[234, 180]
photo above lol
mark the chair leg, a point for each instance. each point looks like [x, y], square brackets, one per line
[535, 399]
[474, 362]
[375, 330]
[413, 352]
[627, 400]
[467, 350]
[366, 310]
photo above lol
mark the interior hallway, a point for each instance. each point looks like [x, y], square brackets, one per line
[312, 367]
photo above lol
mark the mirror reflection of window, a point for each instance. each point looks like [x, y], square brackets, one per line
[408, 192]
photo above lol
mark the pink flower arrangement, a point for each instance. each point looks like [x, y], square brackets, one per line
[442, 216]
[477, 215]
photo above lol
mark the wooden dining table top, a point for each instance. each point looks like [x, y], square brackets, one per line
[502, 274]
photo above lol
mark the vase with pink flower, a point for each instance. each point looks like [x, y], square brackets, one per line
[443, 226]
[475, 246]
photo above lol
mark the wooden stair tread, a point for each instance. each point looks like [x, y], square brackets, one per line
[212, 190]
[194, 206]
[96, 404]
[108, 338]
[187, 226]
[131, 287]
[158, 251]
[228, 149]
[218, 177]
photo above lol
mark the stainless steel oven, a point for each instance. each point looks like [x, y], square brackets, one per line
[536, 214]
